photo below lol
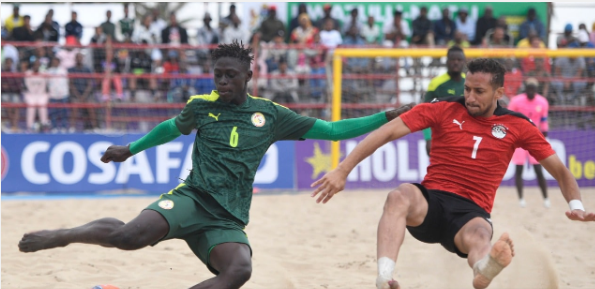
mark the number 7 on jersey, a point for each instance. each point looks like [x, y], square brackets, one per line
[477, 140]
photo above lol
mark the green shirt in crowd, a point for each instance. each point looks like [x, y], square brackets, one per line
[443, 86]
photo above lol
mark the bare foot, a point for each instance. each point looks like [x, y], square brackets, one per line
[500, 256]
[41, 240]
[392, 284]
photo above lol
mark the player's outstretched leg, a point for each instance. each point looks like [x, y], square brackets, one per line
[405, 206]
[146, 229]
[489, 266]
[233, 261]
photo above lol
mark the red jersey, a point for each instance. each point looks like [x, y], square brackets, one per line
[470, 155]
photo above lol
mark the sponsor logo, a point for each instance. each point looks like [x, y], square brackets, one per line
[434, 100]
[216, 117]
[499, 131]
[5, 163]
[166, 204]
[258, 119]
[460, 124]
[451, 91]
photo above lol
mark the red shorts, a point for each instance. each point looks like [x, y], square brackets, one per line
[520, 157]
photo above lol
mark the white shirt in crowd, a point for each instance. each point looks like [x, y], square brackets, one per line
[467, 28]
[36, 88]
[391, 29]
[58, 86]
[370, 34]
[331, 38]
[67, 58]
[231, 33]
[152, 35]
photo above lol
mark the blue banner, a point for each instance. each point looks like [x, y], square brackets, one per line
[68, 163]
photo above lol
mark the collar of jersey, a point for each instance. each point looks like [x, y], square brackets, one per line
[243, 105]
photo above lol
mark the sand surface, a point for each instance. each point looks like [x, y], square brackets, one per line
[300, 244]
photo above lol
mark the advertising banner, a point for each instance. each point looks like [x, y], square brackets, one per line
[71, 163]
[405, 161]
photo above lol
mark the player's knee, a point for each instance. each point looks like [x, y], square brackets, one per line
[478, 234]
[240, 274]
[127, 240]
[397, 198]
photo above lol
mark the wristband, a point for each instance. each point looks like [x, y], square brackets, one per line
[576, 205]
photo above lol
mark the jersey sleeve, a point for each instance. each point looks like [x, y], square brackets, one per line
[423, 115]
[186, 121]
[290, 125]
[533, 141]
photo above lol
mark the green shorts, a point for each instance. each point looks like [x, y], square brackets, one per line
[198, 220]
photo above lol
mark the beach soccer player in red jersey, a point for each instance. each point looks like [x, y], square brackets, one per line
[474, 140]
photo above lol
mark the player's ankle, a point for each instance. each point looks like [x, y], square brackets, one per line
[386, 266]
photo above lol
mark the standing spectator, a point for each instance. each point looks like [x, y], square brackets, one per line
[74, 28]
[566, 67]
[566, 38]
[228, 20]
[535, 107]
[112, 72]
[14, 20]
[304, 33]
[270, 26]
[174, 34]
[316, 58]
[46, 31]
[147, 32]
[532, 23]
[67, 54]
[109, 28]
[330, 37]
[235, 31]
[398, 31]
[24, 33]
[295, 22]
[466, 25]
[444, 29]
[327, 8]
[98, 52]
[58, 92]
[353, 21]
[459, 40]
[11, 92]
[158, 24]
[206, 35]
[423, 29]
[36, 96]
[484, 23]
[543, 75]
[55, 24]
[370, 32]
[125, 26]
[513, 80]
[81, 92]
[284, 88]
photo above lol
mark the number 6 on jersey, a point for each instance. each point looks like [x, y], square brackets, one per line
[477, 140]
[233, 138]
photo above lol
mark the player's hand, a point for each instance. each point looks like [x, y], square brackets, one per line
[116, 153]
[392, 114]
[330, 184]
[580, 215]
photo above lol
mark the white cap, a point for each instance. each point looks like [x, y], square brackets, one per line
[583, 36]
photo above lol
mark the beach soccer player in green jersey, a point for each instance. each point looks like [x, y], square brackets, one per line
[209, 210]
[451, 83]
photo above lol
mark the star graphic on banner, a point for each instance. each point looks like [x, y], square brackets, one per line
[320, 162]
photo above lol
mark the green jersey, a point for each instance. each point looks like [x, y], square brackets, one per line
[230, 143]
[443, 86]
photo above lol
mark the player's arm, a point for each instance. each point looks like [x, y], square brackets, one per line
[569, 188]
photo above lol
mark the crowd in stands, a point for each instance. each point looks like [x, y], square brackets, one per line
[112, 53]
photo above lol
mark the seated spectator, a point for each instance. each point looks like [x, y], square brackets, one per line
[444, 29]
[370, 32]
[58, 92]
[498, 38]
[67, 55]
[36, 97]
[73, 28]
[24, 33]
[320, 24]
[353, 21]
[398, 32]
[284, 89]
[513, 79]
[46, 31]
[459, 40]
[304, 33]
[484, 24]
[592, 37]
[566, 38]
[235, 32]
[141, 63]
[40, 54]
[527, 42]
[330, 37]
[565, 67]
[295, 22]
[465, 25]
[271, 25]
[274, 52]
[11, 93]
[81, 92]
[206, 35]
[112, 72]
[109, 28]
[532, 23]
[423, 29]
[355, 64]
[582, 41]
[542, 74]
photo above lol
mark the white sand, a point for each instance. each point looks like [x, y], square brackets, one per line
[299, 244]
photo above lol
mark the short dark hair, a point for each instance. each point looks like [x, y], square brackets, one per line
[233, 50]
[27, 17]
[487, 65]
[454, 48]
[397, 13]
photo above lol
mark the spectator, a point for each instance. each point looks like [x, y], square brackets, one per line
[58, 92]
[67, 54]
[181, 88]
[112, 75]
[295, 22]
[330, 37]
[498, 38]
[459, 40]
[423, 29]
[14, 20]
[98, 52]
[568, 68]
[46, 32]
[355, 64]
[316, 60]
[11, 92]
[583, 42]
[36, 96]
[174, 34]
[141, 63]
[466, 25]
[566, 38]
[304, 33]
[108, 28]
[370, 32]
[397, 32]
[527, 42]
[274, 52]
[270, 26]
[235, 32]
[228, 20]
[484, 23]
[513, 79]
[592, 38]
[9, 51]
[125, 26]
[206, 35]
[543, 75]
[284, 88]
[55, 24]
[146, 32]
[204, 85]
[81, 92]
[158, 24]
[444, 29]
[528, 63]
[532, 23]
[354, 21]
[24, 33]
[40, 54]
[74, 28]
[327, 8]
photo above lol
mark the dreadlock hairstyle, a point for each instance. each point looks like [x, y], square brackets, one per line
[233, 50]
[486, 65]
